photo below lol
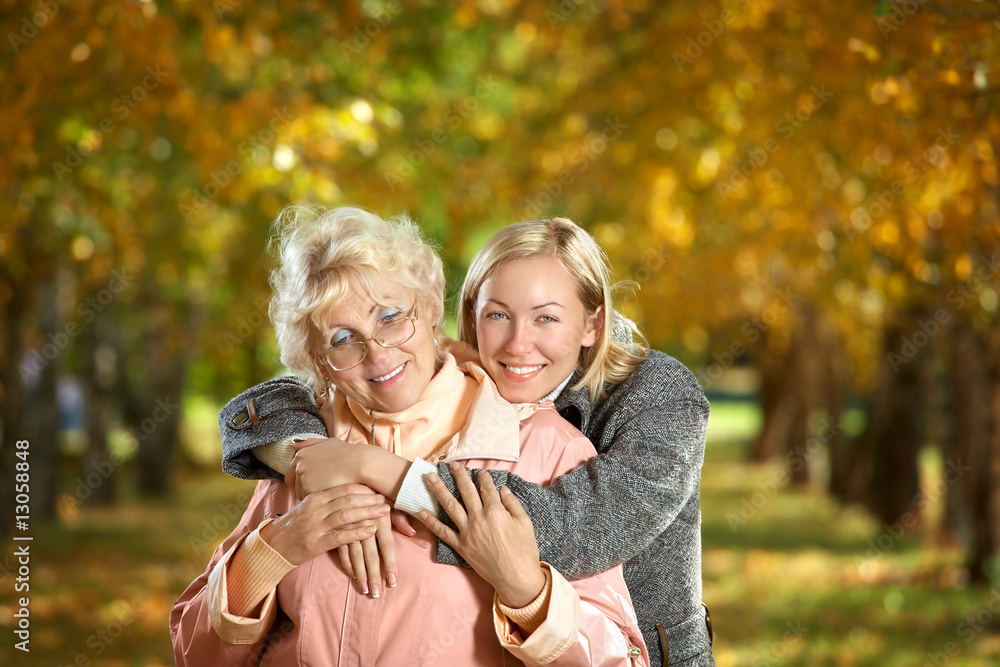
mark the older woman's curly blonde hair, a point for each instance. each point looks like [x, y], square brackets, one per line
[323, 254]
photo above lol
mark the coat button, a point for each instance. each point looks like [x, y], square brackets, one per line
[634, 652]
[241, 418]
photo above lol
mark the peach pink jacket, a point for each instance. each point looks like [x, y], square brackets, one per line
[438, 614]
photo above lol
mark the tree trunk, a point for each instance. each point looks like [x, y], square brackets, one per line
[798, 388]
[43, 406]
[836, 393]
[155, 418]
[967, 447]
[96, 483]
[776, 405]
[13, 312]
[991, 483]
[893, 431]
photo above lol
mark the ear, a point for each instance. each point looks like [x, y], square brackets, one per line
[594, 328]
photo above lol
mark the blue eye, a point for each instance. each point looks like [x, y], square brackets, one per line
[344, 337]
[389, 316]
[495, 316]
[547, 318]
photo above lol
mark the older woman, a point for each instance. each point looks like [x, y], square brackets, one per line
[356, 307]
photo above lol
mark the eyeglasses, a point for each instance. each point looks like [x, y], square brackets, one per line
[345, 356]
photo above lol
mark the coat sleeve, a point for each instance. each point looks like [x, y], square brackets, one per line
[271, 412]
[612, 507]
[192, 627]
[589, 623]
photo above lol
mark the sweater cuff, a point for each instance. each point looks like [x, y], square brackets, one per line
[556, 633]
[278, 455]
[254, 572]
[415, 493]
[532, 615]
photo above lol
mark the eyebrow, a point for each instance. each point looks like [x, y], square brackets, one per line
[337, 327]
[538, 307]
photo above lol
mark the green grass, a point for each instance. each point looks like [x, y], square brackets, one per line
[784, 588]
[794, 584]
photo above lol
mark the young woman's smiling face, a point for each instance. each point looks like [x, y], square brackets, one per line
[389, 379]
[531, 325]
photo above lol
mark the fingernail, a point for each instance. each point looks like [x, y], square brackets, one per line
[364, 587]
[391, 579]
[504, 489]
[375, 591]
[455, 465]
[432, 478]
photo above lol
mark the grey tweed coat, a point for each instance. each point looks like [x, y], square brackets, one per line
[637, 503]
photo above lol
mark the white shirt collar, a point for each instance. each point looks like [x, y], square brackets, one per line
[554, 394]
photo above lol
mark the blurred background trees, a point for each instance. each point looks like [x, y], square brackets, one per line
[805, 193]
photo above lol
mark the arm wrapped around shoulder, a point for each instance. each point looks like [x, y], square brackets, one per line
[271, 412]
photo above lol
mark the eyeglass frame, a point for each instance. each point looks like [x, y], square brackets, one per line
[325, 359]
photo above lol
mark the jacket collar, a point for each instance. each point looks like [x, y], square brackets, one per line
[574, 405]
[490, 425]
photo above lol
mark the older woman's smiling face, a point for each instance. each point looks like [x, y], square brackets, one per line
[389, 379]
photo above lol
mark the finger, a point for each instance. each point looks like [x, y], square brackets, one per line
[358, 563]
[463, 482]
[343, 518]
[345, 560]
[341, 536]
[438, 527]
[373, 563]
[291, 479]
[302, 444]
[512, 504]
[488, 489]
[448, 502]
[401, 521]
[387, 545]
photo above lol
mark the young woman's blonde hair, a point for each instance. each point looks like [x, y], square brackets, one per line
[323, 254]
[611, 359]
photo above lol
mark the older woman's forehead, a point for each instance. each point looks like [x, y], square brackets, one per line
[359, 306]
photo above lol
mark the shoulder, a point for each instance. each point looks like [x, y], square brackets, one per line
[659, 378]
[269, 412]
[661, 394]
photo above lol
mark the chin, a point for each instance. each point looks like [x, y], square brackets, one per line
[518, 395]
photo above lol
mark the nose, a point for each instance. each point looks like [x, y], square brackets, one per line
[375, 352]
[520, 341]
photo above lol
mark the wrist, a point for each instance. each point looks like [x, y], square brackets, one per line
[383, 471]
[521, 593]
[271, 536]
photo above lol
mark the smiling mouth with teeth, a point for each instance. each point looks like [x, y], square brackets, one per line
[391, 374]
[522, 370]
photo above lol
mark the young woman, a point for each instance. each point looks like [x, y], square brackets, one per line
[637, 502]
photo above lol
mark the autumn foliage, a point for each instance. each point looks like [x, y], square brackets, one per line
[808, 190]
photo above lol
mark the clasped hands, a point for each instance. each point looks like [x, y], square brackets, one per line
[494, 534]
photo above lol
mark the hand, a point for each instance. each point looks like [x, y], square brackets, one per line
[361, 559]
[324, 521]
[495, 535]
[323, 464]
